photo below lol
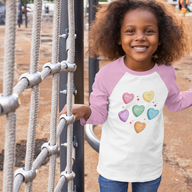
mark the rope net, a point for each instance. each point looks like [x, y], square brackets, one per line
[12, 181]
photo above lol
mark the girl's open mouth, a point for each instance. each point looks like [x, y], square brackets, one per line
[139, 49]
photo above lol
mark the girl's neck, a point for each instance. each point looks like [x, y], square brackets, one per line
[139, 66]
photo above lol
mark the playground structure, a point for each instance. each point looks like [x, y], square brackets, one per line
[9, 100]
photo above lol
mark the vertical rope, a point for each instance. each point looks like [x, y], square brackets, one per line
[9, 54]
[55, 93]
[71, 17]
[9, 155]
[8, 80]
[35, 90]
[71, 59]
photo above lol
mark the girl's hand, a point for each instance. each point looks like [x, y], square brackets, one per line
[79, 111]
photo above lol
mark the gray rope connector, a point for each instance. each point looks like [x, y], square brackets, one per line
[68, 176]
[51, 149]
[27, 175]
[64, 36]
[9, 103]
[65, 90]
[68, 67]
[32, 78]
[69, 119]
[55, 68]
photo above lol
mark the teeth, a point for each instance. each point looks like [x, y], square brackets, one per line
[140, 48]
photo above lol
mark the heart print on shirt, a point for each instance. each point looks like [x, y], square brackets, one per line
[138, 110]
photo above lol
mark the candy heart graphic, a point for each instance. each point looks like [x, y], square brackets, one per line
[139, 126]
[152, 113]
[138, 110]
[148, 96]
[127, 98]
[123, 115]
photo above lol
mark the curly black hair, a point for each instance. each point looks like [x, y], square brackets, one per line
[104, 34]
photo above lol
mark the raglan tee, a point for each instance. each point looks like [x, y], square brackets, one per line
[129, 104]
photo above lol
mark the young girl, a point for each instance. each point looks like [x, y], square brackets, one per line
[129, 93]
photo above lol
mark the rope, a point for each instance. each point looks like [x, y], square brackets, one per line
[60, 184]
[35, 90]
[60, 127]
[21, 86]
[36, 36]
[45, 72]
[71, 58]
[17, 183]
[9, 61]
[40, 158]
[55, 93]
[71, 54]
[8, 79]
[23, 83]
[9, 155]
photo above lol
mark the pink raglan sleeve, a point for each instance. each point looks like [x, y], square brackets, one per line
[176, 100]
[98, 101]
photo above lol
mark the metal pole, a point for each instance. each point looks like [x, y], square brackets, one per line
[25, 13]
[62, 86]
[78, 166]
[93, 62]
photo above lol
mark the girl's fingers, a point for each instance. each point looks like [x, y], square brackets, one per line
[64, 111]
[77, 111]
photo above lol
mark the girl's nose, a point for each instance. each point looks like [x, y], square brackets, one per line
[140, 37]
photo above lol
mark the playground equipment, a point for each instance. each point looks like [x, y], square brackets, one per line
[59, 66]
[9, 101]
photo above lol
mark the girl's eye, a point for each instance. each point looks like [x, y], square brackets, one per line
[130, 31]
[149, 31]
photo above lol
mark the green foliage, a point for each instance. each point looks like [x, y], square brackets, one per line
[103, 1]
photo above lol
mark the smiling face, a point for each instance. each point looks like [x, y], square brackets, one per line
[139, 39]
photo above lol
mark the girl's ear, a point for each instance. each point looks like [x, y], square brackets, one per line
[119, 42]
[159, 42]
